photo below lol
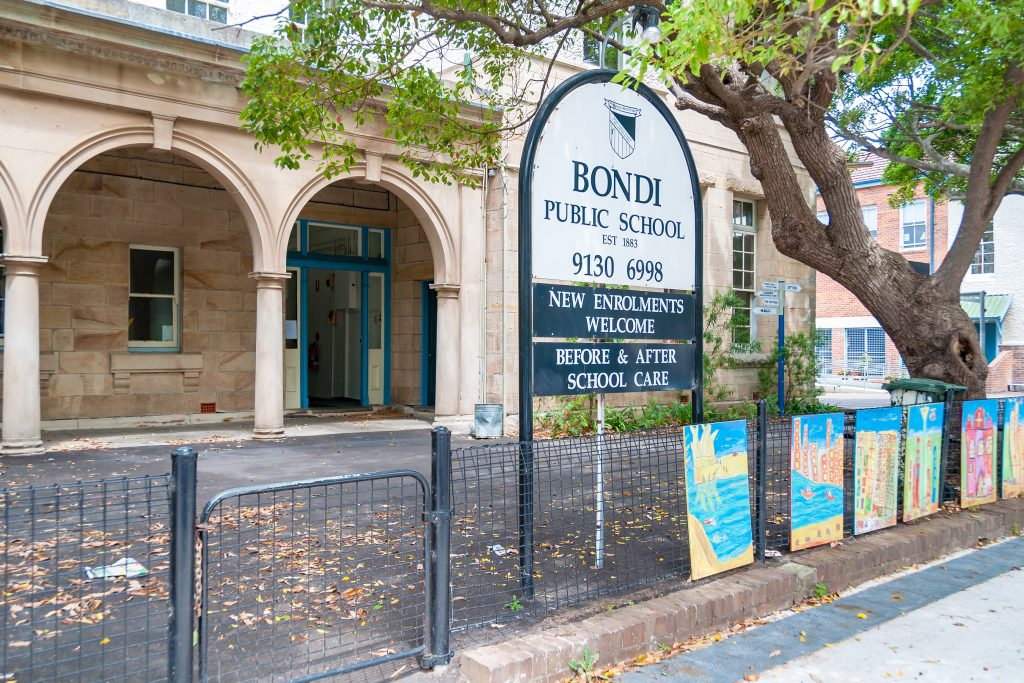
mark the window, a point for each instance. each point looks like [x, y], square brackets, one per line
[913, 226]
[985, 260]
[823, 351]
[869, 214]
[336, 240]
[865, 351]
[154, 290]
[743, 272]
[214, 10]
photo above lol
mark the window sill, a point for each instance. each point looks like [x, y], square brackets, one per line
[124, 365]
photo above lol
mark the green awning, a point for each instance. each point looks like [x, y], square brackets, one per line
[996, 306]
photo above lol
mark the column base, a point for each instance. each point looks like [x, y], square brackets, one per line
[22, 447]
[456, 424]
[268, 433]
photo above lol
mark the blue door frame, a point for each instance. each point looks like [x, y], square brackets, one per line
[304, 260]
[428, 359]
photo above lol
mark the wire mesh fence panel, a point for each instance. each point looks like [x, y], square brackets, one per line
[311, 579]
[954, 425]
[777, 493]
[84, 580]
[634, 481]
[849, 469]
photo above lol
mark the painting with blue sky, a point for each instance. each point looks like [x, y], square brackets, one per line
[922, 460]
[816, 486]
[876, 468]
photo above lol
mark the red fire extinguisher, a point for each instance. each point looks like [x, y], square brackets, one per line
[314, 354]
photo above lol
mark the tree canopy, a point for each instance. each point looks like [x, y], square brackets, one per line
[934, 86]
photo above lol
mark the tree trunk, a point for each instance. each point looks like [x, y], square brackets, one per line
[927, 325]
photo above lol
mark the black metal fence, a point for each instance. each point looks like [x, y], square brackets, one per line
[84, 580]
[114, 580]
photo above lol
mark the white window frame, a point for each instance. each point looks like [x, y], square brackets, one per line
[904, 224]
[978, 264]
[746, 292]
[175, 343]
[869, 214]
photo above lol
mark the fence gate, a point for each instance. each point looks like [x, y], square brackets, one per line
[310, 579]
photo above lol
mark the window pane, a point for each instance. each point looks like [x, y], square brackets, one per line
[176, 5]
[743, 213]
[914, 212]
[737, 260]
[197, 9]
[150, 320]
[737, 280]
[335, 240]
[152, 272]
[375, 244]
[219, 14]
[870, 216]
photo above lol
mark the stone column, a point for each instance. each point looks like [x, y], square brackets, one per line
[21, 414]
[269, 382]
[446, 397]
[471, 235]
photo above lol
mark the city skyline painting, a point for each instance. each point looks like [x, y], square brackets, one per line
[816, 483]
[1013, 448]
[977, 452]
[922, 460]
[876, 444]
[717, 497]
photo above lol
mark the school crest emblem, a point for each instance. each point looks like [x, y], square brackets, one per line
[622, 128]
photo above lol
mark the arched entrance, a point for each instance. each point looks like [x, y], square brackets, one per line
[356, 325]
[145, 303]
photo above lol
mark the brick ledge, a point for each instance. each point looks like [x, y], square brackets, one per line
[751, 592]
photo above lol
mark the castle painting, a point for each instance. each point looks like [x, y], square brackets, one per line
[977, 452]
[876, 468]
[922, 460]
[718, 497]
[816, 486]
[1013, 448]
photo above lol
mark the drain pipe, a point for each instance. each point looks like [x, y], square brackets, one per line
[482, 365]
[503, 169]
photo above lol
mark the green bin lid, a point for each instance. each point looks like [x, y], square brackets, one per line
[933, 386]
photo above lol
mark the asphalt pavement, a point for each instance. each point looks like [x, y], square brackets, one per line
[958, 620]
[227, 459]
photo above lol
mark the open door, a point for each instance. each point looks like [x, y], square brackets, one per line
[292, 352]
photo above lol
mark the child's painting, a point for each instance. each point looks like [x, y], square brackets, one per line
[922, 460]
[718, 497]
[1013, 448]
[977, 452]
[816, 487]
[876, 446]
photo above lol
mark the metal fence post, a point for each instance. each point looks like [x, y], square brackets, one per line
[440, 518]
[762, 478]
[943, 461]
[183, 564]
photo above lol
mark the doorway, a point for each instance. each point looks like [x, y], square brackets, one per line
[337, 309]
[429, 361]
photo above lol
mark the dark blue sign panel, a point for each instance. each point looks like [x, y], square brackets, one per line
[589, 313]
[561, 369]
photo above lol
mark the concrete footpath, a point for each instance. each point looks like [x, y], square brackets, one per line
[752, 592]
[958, 620]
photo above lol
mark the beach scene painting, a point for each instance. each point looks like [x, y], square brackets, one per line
[977, 452]
[1013, 448]
[876, 446]
[816, 486]
[922, 460]
[717, 497]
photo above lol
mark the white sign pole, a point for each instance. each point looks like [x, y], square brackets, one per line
[599, 486]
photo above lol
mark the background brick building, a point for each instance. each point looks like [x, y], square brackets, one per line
[852, 345]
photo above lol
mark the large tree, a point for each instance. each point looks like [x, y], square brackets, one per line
[933, 86]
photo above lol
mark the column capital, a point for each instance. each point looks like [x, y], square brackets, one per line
[269, 280]
[22, 265]
[445, 291]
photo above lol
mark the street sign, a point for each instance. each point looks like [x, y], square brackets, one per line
[590, 313]
[770, 285]
[564, 368]
[765, 292]
[792, 287]
[766, 310]
[774, 305]
[769, 296]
